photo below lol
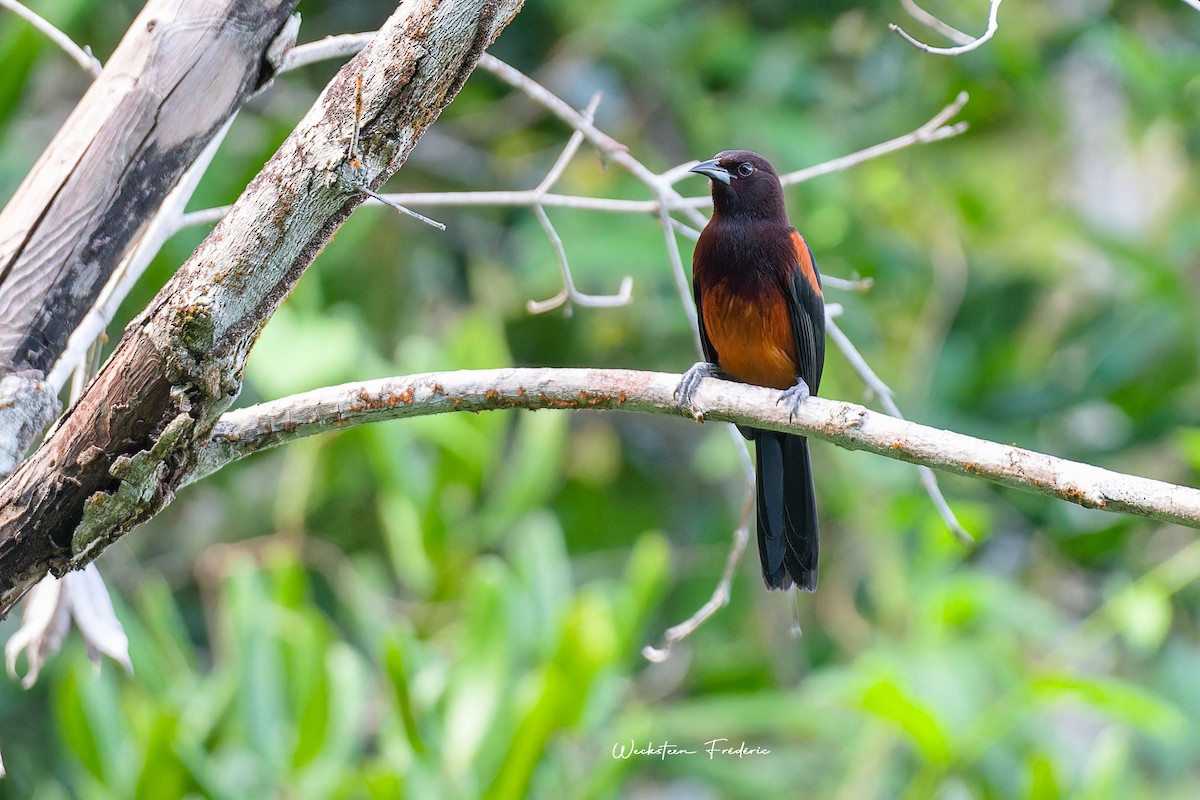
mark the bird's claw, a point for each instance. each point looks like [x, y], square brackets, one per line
[795, 397]
[687, 385]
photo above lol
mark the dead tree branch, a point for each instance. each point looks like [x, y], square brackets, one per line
[244, 431]
[123, 148]
[120, 452]
[970, 43]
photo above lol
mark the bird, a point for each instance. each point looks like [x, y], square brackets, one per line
[761, 314]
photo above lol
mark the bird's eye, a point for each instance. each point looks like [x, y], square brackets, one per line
[746, 169]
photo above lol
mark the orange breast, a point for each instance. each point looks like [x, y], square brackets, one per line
[753, 338]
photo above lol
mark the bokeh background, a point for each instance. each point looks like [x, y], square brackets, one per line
[455, 607]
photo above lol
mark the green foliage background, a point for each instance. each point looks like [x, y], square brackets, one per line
[455, 607]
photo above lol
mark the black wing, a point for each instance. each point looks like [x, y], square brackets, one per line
[806, 305]
[706, 345]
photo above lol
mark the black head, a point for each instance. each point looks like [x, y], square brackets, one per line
[744, 184]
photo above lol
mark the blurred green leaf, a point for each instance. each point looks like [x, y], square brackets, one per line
[1142, 613]
[162, 775]
[588, 643]
[477, 683]
[888, 701]
[534, 469]
[1119, 699]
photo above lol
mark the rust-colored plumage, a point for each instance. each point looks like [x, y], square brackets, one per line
[762, 321]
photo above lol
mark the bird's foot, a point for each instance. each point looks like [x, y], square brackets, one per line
[687, 385]
[795, 397]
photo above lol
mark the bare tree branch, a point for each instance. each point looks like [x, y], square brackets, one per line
[929, 20]
[340, 46]
[249, 430]
[569, 294]
[85, 201]
[720, 596]
[935, 130]
[941, 27]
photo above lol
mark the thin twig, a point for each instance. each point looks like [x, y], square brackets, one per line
[612, 150]
[570, 296]
[340, 46]
[720, 595]
[81, 55]
[401, 208]
[992, 26]
[568, 153]
[930, 21]
[358, 171]
[858, 285]
[886, 399]
[524, 198]
[934, 130]
[679, 275]
[205, 216]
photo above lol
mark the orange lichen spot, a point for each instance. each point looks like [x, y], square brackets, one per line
[1078, 496]
[548, 401]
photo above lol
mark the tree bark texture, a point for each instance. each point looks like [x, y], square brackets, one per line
[249, 430]
[118, 455]
[183, 68]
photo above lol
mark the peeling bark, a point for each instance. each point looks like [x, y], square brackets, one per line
[183, 68]
[118, 455]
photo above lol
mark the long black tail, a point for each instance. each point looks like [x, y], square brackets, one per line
[788, 535]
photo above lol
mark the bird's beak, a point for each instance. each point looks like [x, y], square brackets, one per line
[712, 170]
